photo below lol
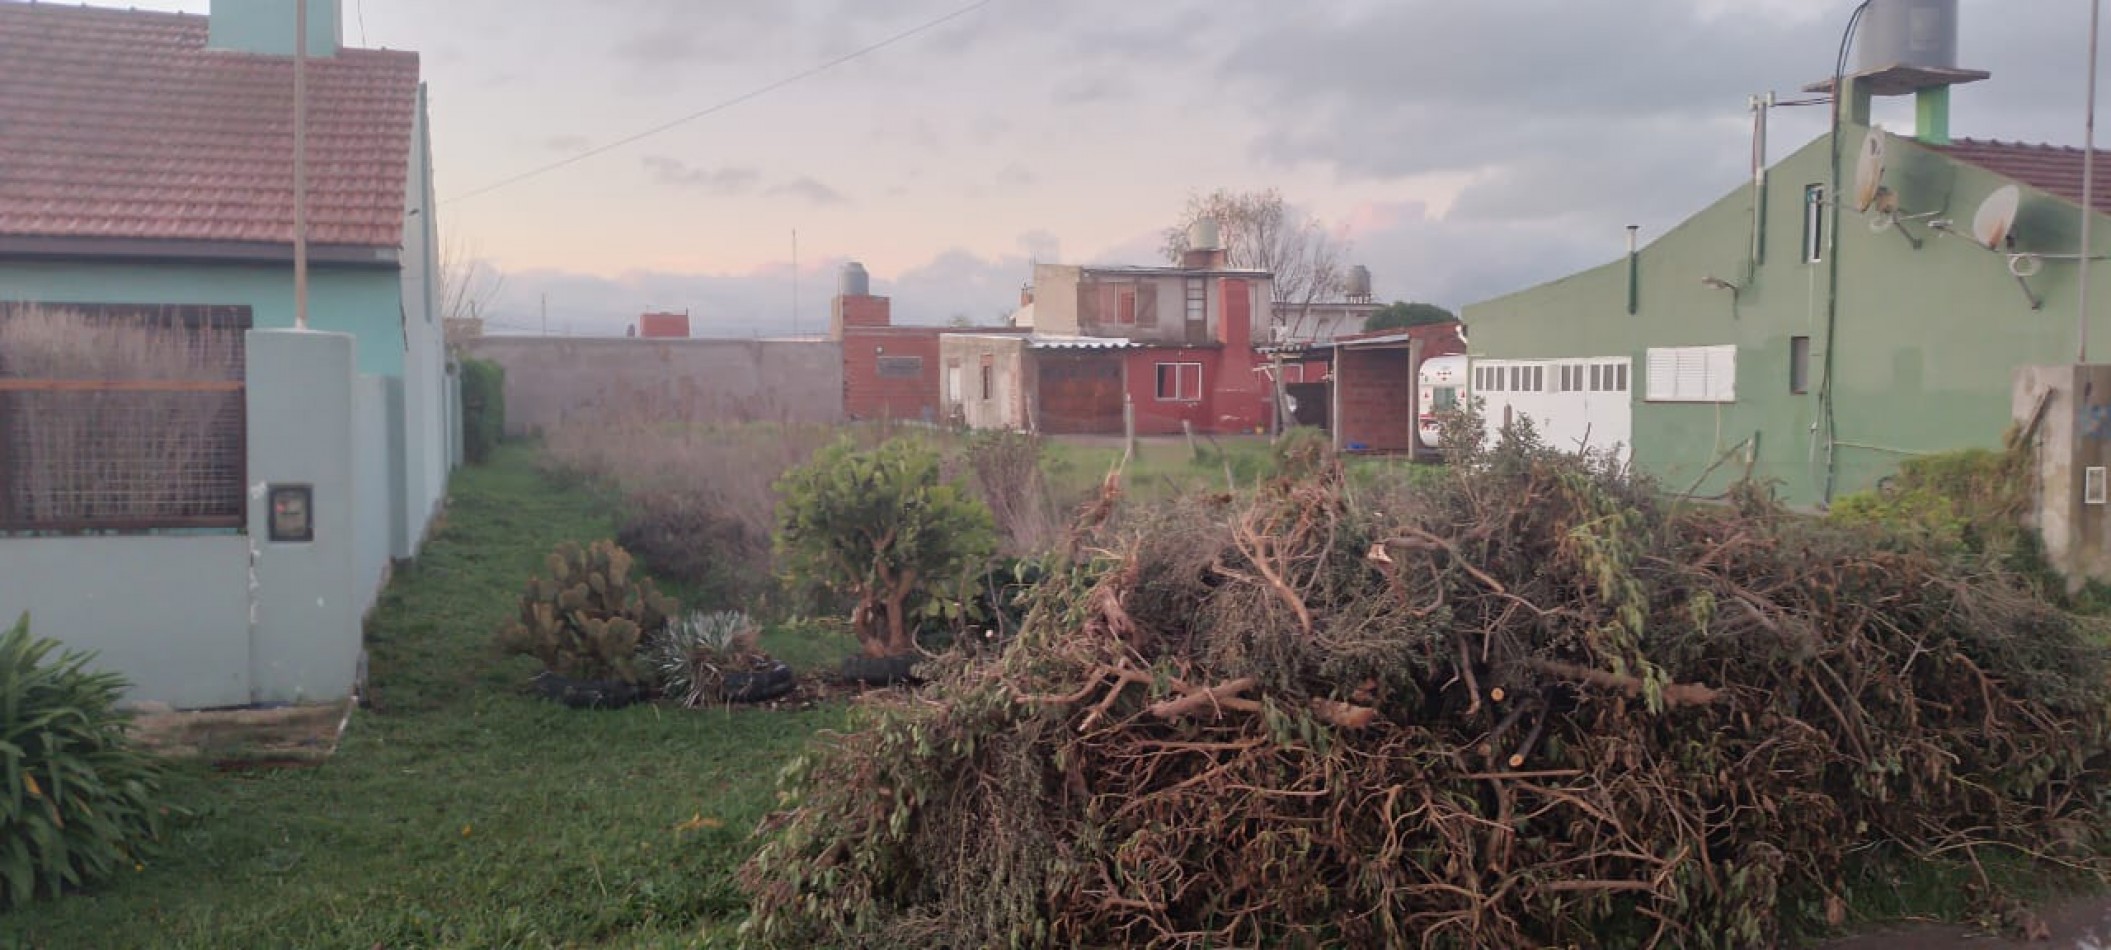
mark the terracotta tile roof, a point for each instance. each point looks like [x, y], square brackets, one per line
[2050, 168]
[121, 124]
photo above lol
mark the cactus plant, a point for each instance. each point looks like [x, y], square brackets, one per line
[585, 617]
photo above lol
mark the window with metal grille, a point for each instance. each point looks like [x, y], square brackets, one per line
[122, 418]
[900, 367]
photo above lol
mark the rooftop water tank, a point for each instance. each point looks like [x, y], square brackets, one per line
[1917, 33]
[855, 282]
[1203, 236]
[1359, 282]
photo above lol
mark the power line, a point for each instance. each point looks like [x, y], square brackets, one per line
[727, 104]
[362, 23]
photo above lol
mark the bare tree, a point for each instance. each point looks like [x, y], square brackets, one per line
[469, 287]
[1261, 232]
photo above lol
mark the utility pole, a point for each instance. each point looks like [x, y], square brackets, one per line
[546, 314]
[795, 281]
[2096, 9]
[300, 165]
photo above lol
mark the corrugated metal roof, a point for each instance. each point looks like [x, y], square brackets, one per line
[1078, 343]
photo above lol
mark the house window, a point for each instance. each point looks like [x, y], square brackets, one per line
[1799, 364]
[1180, 382]
[1197, 300]
[1125, 308]
[1620, 374]
[989, 382]
[1693, 374]
[1814, 223]
[901, 367]
[122, 418]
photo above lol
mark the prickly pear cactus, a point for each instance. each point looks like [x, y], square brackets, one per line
[585, 616]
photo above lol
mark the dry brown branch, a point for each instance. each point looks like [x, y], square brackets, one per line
[1215, 698]
[1675, 694]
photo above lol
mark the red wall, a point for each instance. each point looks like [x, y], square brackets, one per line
[868, 395]
[1376, 396]
[1234, 397]
[663, 326]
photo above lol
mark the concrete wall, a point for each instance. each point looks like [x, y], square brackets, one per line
[425, 424]
[1924, 348]
[2068, 411]
[308, 602]
[1007, 406]
[373, 484]
[199, 621]
[169, 613]
[550, 380]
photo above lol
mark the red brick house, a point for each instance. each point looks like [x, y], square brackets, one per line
[889, 372]
[1175, 345]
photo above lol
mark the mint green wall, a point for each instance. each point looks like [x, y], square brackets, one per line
[1926, 340]
[366, 303]
[268, 26]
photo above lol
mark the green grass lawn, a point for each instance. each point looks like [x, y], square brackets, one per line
[459, 812]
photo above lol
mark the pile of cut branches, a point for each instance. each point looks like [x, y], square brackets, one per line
[1533, 705]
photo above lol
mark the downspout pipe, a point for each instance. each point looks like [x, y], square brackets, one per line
[1843, 100]
[1634, 271]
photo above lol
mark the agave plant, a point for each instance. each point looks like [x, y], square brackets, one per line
[697, 650]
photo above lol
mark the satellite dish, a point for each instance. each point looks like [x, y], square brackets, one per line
[2025, 265]
[1869, 173]
[1996, 221]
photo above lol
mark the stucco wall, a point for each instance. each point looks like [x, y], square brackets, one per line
[550, 380]
[1006, 407]
[1925, 344]
[373, 484]
[199, 621]
[424, 400]
[169, 613]
[307, 598]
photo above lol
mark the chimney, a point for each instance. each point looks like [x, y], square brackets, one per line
[1026, 296]
[266, 27]
[855, 306]
[1205, 247]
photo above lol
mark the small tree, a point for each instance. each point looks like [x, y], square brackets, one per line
[879, 526]
[1400, 316]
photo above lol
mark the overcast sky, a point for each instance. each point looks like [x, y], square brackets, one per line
[1466, 149]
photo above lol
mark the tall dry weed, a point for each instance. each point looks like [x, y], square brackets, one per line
[102, 455]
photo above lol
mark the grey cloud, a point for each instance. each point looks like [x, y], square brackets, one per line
[811, 190]
[731, 180]
[1089, 89]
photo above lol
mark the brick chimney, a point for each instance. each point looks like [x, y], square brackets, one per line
[855, 306]
[267, 27]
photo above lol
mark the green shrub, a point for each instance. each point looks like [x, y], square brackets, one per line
[77, 798]
[1966, 502]
[883, 527]
[587, 616]
[483, 409]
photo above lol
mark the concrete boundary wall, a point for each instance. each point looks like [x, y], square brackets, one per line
[171, 613]
[551, 381]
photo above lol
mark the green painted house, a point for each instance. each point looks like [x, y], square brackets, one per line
[146, 185]
[1782, 334]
